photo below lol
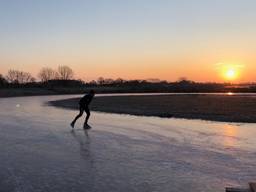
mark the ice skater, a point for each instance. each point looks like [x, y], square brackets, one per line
[84, 106]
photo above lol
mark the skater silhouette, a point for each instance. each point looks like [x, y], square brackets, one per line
[84, 106]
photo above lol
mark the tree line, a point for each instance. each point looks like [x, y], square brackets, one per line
[45, 74]
[62, 79]
[61, 74]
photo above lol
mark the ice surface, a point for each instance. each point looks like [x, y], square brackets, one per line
[39, 152]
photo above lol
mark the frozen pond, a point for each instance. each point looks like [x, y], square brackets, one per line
[121, 153]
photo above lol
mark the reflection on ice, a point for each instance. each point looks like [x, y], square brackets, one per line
[84, 141]
[230, 93]
[230, 135]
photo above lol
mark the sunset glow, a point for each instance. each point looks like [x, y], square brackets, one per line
[230, 72]
[131, 39]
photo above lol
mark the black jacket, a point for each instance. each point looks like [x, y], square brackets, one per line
[85, 100]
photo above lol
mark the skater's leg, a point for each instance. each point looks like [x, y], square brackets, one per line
[87, 111]
[77, 117]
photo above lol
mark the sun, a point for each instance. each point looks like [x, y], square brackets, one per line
[231, 74]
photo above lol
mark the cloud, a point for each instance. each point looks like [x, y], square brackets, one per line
[226, 65]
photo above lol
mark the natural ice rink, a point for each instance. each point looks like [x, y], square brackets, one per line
[121, 153]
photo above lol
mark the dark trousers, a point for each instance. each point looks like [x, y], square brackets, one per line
[82, 109]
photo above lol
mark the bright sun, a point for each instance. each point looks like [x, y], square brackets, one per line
[231, 74]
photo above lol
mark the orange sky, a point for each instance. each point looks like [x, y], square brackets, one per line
[139, 64]
[132, 40]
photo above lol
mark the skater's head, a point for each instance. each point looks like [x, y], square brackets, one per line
[92, 92]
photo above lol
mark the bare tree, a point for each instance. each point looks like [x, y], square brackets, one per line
[26, 77]
[100, 80]
[119, 81]
[12, 76]
[65, 72]
[93, 82]
[20, 77]
[181, 79]
[47, 74]
[108, 81]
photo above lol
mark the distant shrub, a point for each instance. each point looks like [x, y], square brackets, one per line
[3, 81]
[64, 83]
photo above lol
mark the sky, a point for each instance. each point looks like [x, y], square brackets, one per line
[131, 39]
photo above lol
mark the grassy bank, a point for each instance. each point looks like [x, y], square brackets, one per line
[206, 107]
[33, 91]
[19, 92]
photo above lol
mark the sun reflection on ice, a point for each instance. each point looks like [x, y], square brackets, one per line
[230, 135]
